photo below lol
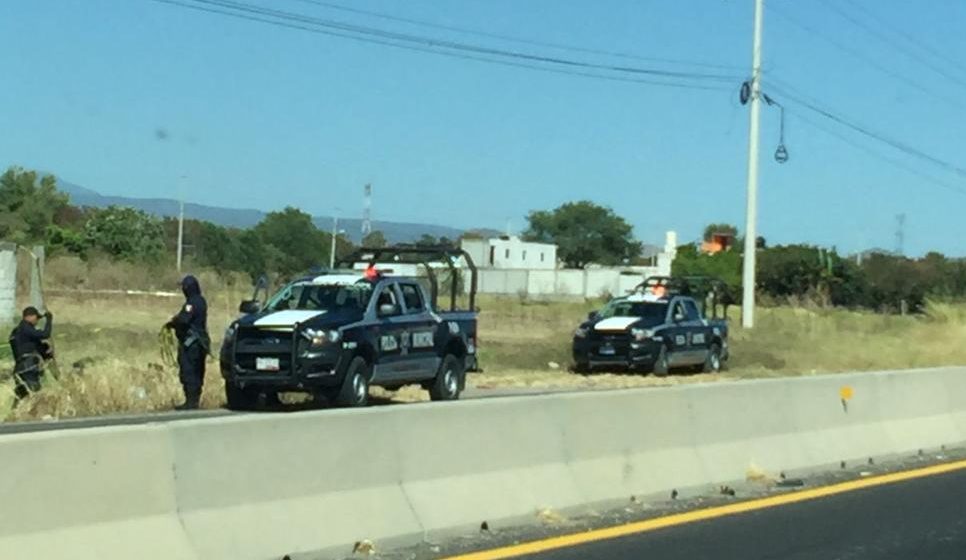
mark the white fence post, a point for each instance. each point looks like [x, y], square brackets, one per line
[36, 276]
[8, 282]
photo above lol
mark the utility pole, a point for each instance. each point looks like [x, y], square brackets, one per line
[751, 217]
[335, 232]
[366, 210]
[181, 221]
[901, 235]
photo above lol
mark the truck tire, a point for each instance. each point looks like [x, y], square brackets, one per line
[355, 386]
[661, 365]
[582, 368]
[712, 363]
[449, 379]
[240, 399]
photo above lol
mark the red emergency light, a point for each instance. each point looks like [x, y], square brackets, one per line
[371, 273]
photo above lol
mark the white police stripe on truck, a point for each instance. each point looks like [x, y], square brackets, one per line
[616, 323]
[287, 318]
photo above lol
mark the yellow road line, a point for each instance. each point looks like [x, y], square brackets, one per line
[565, 541]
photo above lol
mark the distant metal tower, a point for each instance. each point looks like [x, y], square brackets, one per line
[901, 234]
[367, 210]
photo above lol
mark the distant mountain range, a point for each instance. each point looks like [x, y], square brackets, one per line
[395, 232]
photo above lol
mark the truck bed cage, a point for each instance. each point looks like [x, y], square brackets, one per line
[701, 288]
[423, 255]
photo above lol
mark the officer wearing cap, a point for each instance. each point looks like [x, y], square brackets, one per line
[191, 327]
[30, 349]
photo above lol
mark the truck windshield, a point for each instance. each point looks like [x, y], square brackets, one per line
[322, 297]
[653, 313]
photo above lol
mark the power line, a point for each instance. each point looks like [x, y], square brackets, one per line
[878, 155]
[911, 39]
[913, 83]
[305, 27]
[366, 33]
[866, 131]
[524, 41]
[887, 40]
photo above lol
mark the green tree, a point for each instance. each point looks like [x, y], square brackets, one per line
[725, 265]
[427, 240]
[28, 204]
[292, 242]
[791, 270]
[219, 248]
[254, 254]
[62, 239]
[125, 233]
[375, 239]
[584, 233]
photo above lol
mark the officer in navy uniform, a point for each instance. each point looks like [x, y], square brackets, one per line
[191, 327]
[30, 350]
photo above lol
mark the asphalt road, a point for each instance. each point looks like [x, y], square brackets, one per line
[924, 518]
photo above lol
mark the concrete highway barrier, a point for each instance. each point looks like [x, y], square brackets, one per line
[257, 487]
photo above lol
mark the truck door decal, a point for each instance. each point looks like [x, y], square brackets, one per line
[697, 338]
[388, 343]
[423, 339]
[680, 340]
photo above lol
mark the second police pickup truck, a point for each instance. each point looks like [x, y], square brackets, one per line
[655, 328]
[336, 333]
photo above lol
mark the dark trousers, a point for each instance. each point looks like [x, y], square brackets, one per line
[191, 369]
[27, 377]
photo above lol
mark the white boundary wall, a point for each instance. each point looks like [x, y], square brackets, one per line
[259, 486]
[589, 283]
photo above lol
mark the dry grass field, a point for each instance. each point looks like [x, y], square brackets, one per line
[109, 357]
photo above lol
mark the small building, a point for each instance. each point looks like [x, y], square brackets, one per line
[511, 252]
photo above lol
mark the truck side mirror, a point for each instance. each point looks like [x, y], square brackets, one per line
[250, 307]
[593, 316]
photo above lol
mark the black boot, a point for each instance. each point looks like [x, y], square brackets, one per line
[191, 401]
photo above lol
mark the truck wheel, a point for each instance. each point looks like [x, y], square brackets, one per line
[449, 379]
[240, 399]
[582, 368]
[712, 364]
[661, 365]
[355, 387]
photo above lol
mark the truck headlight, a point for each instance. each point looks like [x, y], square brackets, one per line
[641, 335]
[229, 334]
[581, 332]
[317, 337]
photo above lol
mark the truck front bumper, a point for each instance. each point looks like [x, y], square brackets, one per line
[634, 354]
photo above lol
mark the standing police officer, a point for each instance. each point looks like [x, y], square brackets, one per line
[30, 350]
[191, 327]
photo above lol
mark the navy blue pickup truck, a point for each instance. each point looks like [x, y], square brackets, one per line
[336, 333]
[653, 329]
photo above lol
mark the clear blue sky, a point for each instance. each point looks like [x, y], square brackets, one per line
[266, 117]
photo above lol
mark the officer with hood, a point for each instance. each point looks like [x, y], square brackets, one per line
[191, 328]
[30, 350]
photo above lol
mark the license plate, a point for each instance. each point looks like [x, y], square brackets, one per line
[266, 364]
[607, 350]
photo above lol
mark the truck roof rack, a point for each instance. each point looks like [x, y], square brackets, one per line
[697, 287]
[423, 255]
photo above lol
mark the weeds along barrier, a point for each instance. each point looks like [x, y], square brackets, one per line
[257, 487]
